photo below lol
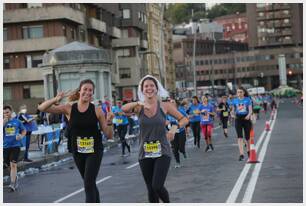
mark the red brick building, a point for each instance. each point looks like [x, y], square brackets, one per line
[235, 27]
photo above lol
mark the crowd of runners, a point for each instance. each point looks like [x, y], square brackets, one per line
[163, 124]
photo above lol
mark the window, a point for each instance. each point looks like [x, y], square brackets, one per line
[82, 35]
[124, 52]
[126, 14]
[125, 73]
[31, 32]
[7, 93]
[72, 32]
[37, 91]
[6, 62]
[139, 15]
[145, 19]
[34, 5]
[260, 14]
[26, 92]
[4, 34]
[36, 59]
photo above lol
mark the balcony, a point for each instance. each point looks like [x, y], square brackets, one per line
[43, 14]
[97, 25]
[116, 32]
[22, 75]
[39, 44]
[126, 42]
[287, 32]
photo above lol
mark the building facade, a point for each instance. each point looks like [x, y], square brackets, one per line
[275, 25]
[235, 27]
[31, 29]
[158, 25]
[133, 27]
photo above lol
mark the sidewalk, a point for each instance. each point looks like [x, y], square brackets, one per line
[40, 159]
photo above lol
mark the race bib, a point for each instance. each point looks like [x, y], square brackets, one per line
[10, 131]
[205, 115]
[85, 145]
[196, 111]
[120, 121]
[225, 114]
[152, 149]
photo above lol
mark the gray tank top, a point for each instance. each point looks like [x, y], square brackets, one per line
[153, 132]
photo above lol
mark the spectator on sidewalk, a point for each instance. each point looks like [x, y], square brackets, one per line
[13, 131]
[30, 125]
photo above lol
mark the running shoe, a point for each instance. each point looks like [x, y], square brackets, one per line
[177, 165]
[241, 157]
[225, 134]
[207, 148]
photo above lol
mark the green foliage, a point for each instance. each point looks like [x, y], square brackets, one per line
[182, 12]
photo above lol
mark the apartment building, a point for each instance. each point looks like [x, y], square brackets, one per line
[158, 25]
[275, 24]
[31, 29]
[133, 27]
[235, 27]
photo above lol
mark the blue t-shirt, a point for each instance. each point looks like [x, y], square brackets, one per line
[120, 119]
[174, 121]
[195, 111]
[10, 130]
[29, 126]
[205, 117]
[242, 106]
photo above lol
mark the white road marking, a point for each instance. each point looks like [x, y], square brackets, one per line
[80, 190]
[235, 191]
[251, 186]
[133, 165]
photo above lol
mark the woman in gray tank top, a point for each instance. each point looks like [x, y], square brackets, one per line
[154, 151]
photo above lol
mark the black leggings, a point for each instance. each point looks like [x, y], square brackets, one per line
[154, 171]
[243, 124]
[122, 130]
[178, 144]
[224, 121]
[88, 166]
[196, 130]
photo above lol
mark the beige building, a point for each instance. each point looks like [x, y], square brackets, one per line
[160, 46]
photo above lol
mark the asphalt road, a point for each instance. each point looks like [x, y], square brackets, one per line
[206, 177]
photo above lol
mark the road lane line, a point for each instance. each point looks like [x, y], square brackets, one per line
[238, 185]
[133, 165]
[80, 190]
[252, 183]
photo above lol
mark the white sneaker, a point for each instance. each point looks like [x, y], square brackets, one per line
[177, 166]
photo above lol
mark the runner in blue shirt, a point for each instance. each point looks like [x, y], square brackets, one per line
[13, 131]
[179, 141]
[195, 119]
[122, 126]
[207, 114]
[243, 110]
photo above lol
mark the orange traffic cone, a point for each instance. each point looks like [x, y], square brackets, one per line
[253, 156]
[267, 126]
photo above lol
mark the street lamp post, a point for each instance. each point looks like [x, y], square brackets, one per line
[54, 80]
[159, 68]
[193, 59]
